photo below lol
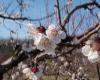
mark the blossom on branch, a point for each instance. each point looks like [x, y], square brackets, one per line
[55, 35]
[41, 41]
[91, 51]
[93, 56]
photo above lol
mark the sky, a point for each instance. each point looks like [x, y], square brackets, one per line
[37, 10]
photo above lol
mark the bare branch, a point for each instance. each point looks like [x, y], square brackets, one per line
[25, 18]
[82, 38]
[91, 31]
[30, 19]
[85, 6]
[57, 9]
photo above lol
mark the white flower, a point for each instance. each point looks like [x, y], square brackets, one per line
[62, 34]
[43, 43]
[56, 40]
[51, 34]
[32, 31]
[61, 58]
[29, 75]
[93, 56]
[51, 27]
[24, 66]
[37, 41]
[85, 50]
[66, 64]
[80, 68]
[88, 51]
[38, 38]
[26, 70]
[54, 35]
[21, 66]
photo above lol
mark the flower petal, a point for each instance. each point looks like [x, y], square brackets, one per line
[89, 42]
[38, 38]
[53, 45]
[85, 50]
[40, 47]
[66, 64]
[24, 66]
[61, 58]
[50, 52]
[56, 40]
[26, 70]
[94, 57]
[49, 34]
[51, 26]
[32, 31]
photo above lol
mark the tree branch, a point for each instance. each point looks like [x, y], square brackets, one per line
[23, 56]
[85, 6]
[90, 32]
[82, 38]
[25, 18]
[58, 13]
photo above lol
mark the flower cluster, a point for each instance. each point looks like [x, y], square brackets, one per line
[48, 41]
[33, 73]
[79, 75]
[25, 70]
[87, 50]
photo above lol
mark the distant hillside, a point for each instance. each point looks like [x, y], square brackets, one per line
[5, 50]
